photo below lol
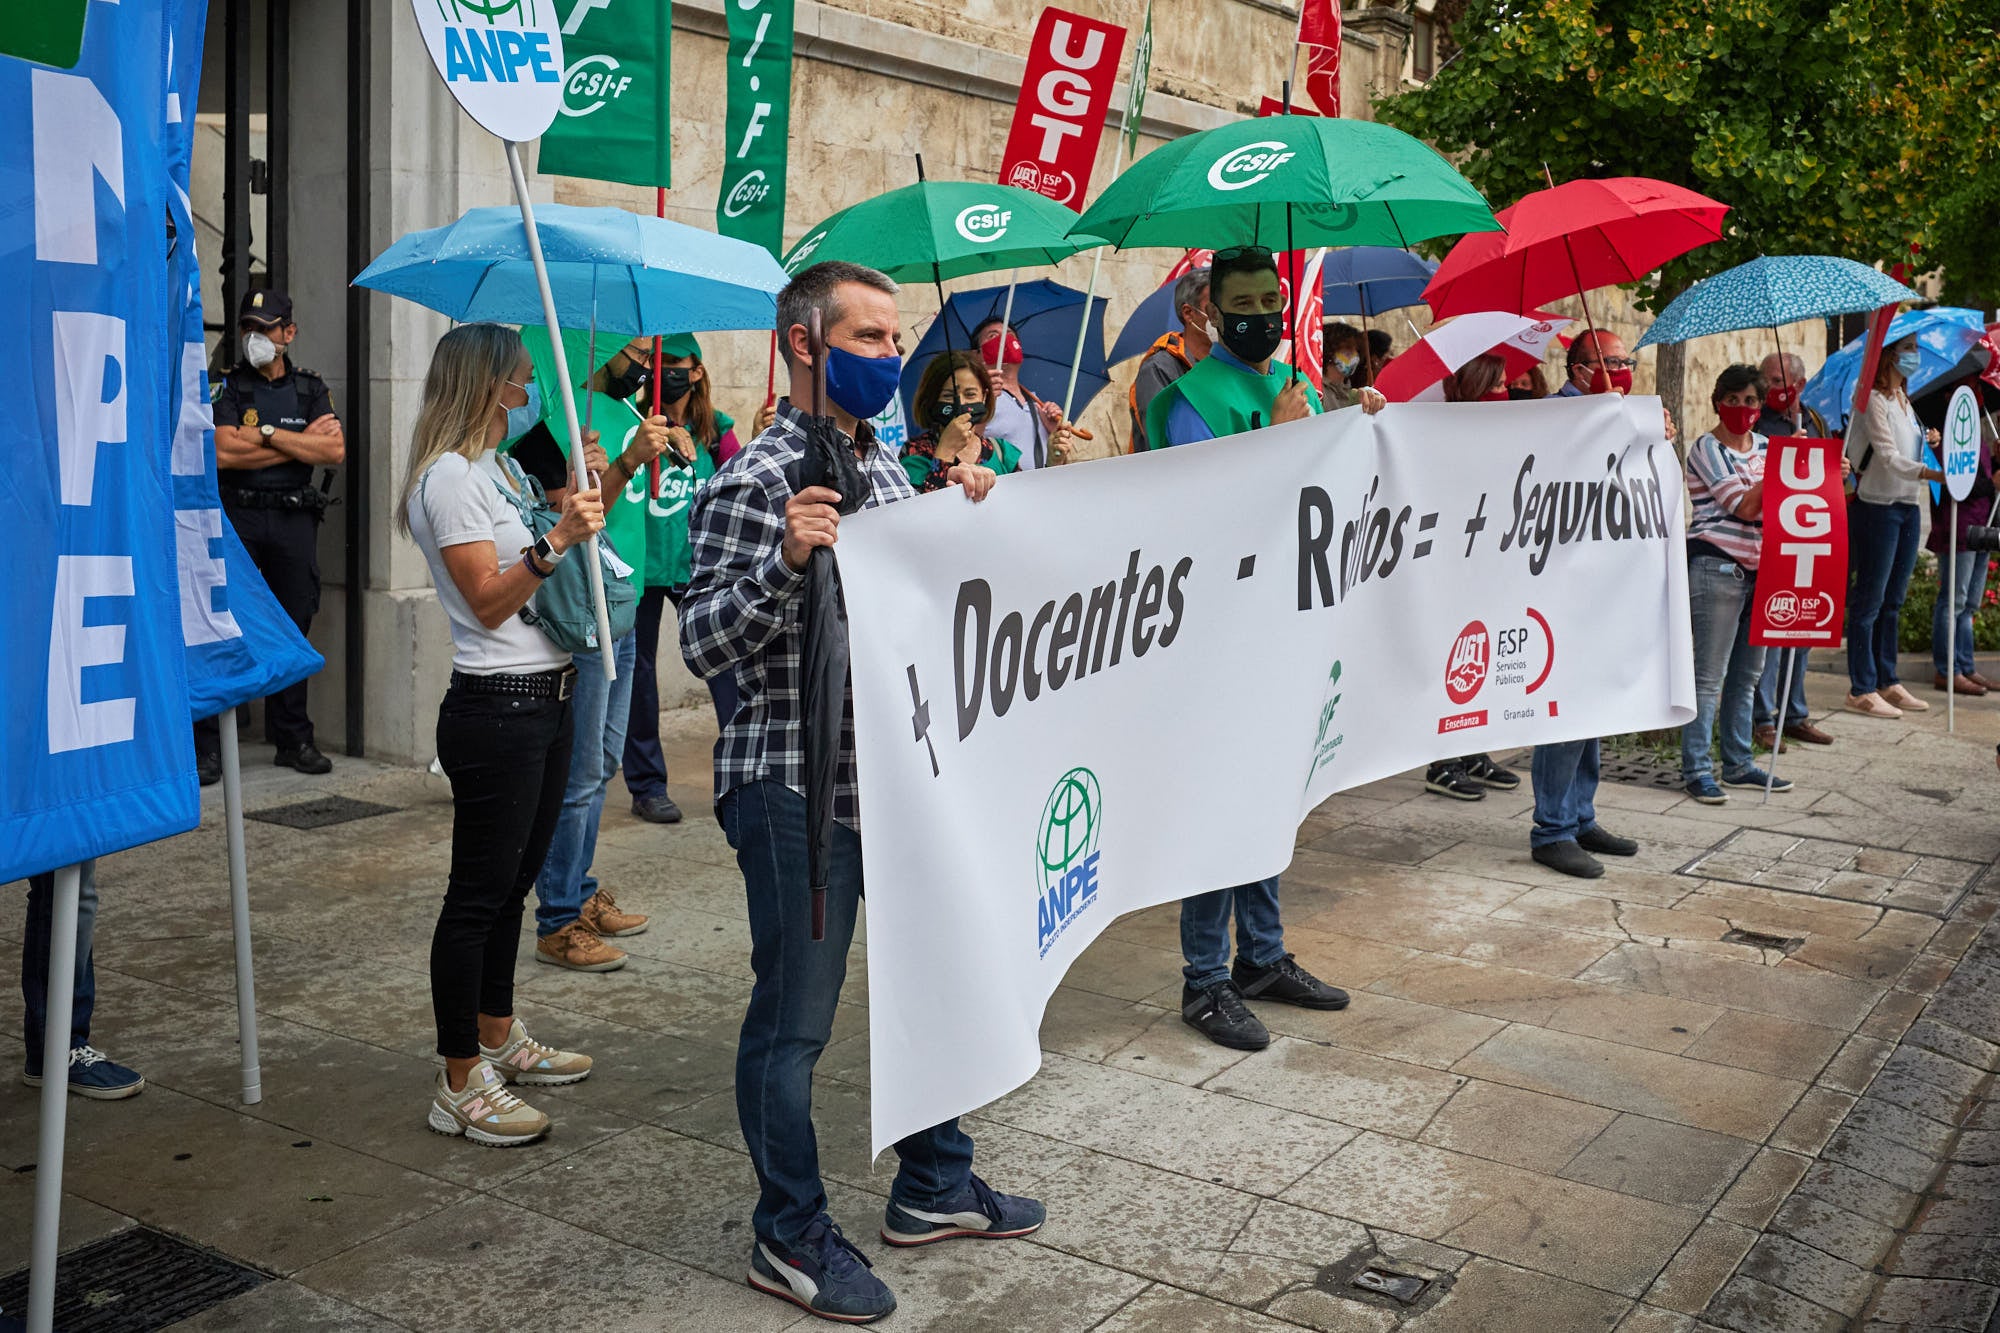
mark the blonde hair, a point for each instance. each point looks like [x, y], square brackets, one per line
[468, 370]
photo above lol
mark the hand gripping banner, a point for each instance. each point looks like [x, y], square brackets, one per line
[1372, 594]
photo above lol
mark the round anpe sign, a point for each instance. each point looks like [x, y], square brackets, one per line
[1961, 442]
[501, 59]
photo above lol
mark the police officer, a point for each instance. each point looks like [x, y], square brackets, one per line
[274, 423]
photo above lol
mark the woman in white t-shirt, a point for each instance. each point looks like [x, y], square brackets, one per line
[504, 727]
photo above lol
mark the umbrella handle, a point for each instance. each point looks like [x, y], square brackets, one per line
[816, 344]
[818, 914]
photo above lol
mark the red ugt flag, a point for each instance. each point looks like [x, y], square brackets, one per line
[1319, 33]
[1060, 114]
[1802, 568]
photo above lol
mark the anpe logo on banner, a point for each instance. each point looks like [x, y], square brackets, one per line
[501, 59]
[983, 223]
[591, 83]
[1066, 854]
[1240, 168]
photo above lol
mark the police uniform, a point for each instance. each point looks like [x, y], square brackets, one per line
[276, 512]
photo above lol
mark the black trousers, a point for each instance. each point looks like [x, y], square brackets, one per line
[645, 764]
[284, 545]
[507, 758]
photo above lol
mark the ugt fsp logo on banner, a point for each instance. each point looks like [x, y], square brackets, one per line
[1802, 563]
[1066, 854]
[1060, 115]
[501, 59]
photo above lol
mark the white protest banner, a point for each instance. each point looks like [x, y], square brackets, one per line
[1047, 683]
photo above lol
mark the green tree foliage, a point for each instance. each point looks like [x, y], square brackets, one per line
[1852, 127]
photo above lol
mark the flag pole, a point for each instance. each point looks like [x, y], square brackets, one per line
[659, 406]
[1778, 742]
[1951, 625]
[595, 564]
[239, 910]
[55, 1101]
[1090, 296]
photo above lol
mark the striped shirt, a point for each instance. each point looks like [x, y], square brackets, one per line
[1718, 478]
[744, 609]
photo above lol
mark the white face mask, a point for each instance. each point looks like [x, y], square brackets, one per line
[1208, 331]
[259, 351]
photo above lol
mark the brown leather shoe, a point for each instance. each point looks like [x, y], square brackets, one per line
[577, 948]
[1959, 684]
[1766, 738]
[602, 917]
[1979, 678]
[1808, 733]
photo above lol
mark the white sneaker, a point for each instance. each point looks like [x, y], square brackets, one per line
[485, 1112]
[522, 1059]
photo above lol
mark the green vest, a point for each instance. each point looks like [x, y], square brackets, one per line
[1225, 396]
[624, 520]
[669, 559]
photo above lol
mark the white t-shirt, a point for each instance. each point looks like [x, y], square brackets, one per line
[457, 502]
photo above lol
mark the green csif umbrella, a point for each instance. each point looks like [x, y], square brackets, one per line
[1287, 183]
[945, 229]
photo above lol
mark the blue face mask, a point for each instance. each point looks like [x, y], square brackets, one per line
[522, 419]
[861, 386]
[1909, 363]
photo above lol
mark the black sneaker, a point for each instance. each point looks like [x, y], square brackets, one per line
[1287, 983]
[208, 768]
[823, 1274]
[1601, 843]
[656, 809]
[1569, 859]
[1481, 769]
[1219, 1014]
[306, 759]
[1451, 779]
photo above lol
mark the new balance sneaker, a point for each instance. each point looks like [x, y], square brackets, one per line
[577, 947]
[522, 1059]
[485, 1111]
[1218, 1013]
[1287, 983]
[1451, 779]
[1703, 789]
[977, 1210]
[601, 917]
[1481, 769]
[1755, 777]
[95, 1075]
[823, 1274]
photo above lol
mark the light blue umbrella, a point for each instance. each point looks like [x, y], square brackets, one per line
[1945, 334]
[641, 276]
[1373, 280]
[1775, 290]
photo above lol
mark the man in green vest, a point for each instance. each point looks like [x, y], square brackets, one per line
[1238, 387]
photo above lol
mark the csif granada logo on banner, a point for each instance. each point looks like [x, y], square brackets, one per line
[1066, 854]
[501, 59]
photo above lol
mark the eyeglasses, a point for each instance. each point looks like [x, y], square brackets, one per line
[1613, 363]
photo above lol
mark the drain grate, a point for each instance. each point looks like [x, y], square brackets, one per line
[321, 813]
[134, 1282]
[1757, 939]
[1399, 1287]
[1641, 773]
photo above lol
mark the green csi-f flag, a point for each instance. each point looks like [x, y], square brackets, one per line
[49, 32]
[614, 123]
[752, 204]
[1135, 95]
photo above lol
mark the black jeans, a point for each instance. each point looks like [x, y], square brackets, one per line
[507, 758]
[284, 545]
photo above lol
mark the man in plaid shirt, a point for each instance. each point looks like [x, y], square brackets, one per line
[742, 613]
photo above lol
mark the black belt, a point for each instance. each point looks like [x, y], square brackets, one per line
[305, 498]
[559, 684]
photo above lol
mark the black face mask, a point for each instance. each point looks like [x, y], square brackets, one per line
[675, 381]
[944, 412]
[628, 384]
[1521, 395]
[1254, 338]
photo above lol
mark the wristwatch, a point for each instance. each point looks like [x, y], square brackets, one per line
[545, 553]
[267, 430]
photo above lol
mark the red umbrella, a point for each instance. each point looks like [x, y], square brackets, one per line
[1418, 374]
[1570, 238]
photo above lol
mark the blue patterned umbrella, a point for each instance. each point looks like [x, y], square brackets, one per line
[1944, 334]
[1781, 289]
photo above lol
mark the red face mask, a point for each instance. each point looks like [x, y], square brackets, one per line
[1736, 420]
[991, 352]
[1610, 381]
[1782, 398]
[1499, 395]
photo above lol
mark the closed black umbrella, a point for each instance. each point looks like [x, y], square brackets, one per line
[828, 461]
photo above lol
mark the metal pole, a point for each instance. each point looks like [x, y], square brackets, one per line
[1090, 294]
[1784, 703]
[595, 565]
[55, 1102]
[1951, 623]
[1007, 320]
[360, 347]
[278, 142]
[239, 911]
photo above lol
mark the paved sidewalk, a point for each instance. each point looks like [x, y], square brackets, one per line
[1560, 1105]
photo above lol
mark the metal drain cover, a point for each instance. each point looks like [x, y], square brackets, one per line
[1400, 1287]
[133, 1282]
[1640, 773]
[1759, 940]
[321, 813]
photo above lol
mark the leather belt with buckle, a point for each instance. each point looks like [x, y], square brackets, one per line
[558, 685]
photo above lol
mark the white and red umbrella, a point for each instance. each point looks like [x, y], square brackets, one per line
[1521, 340]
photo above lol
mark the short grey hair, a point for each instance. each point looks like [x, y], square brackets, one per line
[1191, 290]
[817, 288]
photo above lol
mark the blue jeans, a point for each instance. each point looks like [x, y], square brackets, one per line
[601, 709]
[35, 962]
[1971, 587]
[1726, 666]
[1565, 778]
[1882, 549]
[1765, 713]
[1260, 935]
[791, 1014]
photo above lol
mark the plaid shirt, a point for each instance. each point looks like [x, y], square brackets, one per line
[743, 609]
